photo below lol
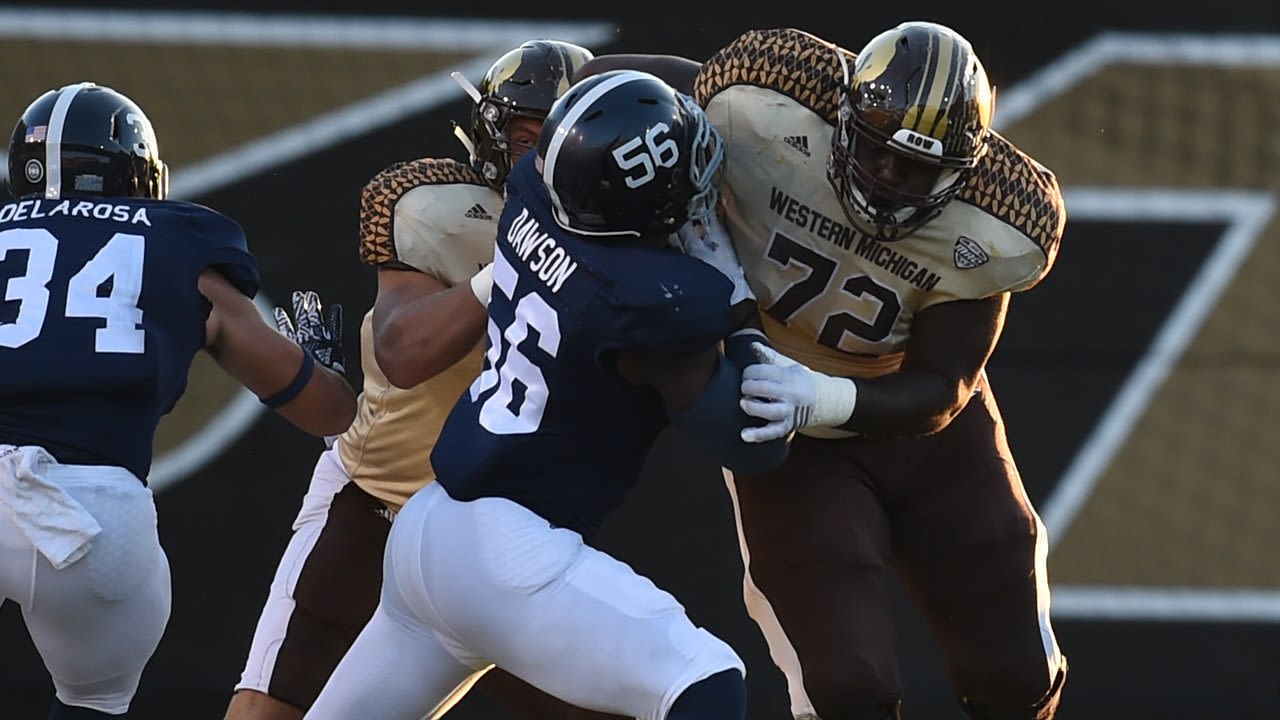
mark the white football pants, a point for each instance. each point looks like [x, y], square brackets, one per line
[470, 584]
[97, 621]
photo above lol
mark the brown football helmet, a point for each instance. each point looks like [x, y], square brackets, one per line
[920, 91]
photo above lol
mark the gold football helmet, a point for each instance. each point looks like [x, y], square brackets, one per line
[919, 91]
[524, 82]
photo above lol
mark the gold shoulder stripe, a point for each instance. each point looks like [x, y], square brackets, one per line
[1017, 190]
[792, 62]
[379, 197]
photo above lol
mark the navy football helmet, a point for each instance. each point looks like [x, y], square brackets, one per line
[524, 82]
[89, 140]
[920, 91]
[624, 154]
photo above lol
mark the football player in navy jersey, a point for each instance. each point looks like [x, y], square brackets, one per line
[884, 227]
[426, 225]
[601, 333]
[110, 291]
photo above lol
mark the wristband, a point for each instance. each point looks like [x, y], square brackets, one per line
[482, 284]
[295, 387]
[737, 347]
[835, 399]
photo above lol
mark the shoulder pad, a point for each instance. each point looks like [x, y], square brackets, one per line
[1020, 192]
[682, 307]
[223, 244]
[379, 197]
[794, 63]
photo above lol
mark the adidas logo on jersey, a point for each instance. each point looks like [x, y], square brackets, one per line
[799, 142]
[969, 254]
[477, 212]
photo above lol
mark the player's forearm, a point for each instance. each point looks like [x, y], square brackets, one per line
[905, 403]
[715, 419]
[326, 405]
[420, 339]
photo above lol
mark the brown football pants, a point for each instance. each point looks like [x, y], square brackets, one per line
[948, 513]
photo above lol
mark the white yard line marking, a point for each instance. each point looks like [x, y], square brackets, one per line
[1245, 213]
[485, 38]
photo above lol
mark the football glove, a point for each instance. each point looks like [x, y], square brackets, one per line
[709, 242]
[789, 396]
[317, 330]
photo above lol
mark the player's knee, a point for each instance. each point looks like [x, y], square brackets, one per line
[722, 696]
[68, 712]
[1019, 702]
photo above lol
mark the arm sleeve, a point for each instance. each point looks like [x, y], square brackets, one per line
[715, 421]
[685, 312]
[227, 251]
[430, 215]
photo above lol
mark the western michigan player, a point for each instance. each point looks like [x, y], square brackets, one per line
[883, 227]
[592, 312]
[111, 290]
[428, 225]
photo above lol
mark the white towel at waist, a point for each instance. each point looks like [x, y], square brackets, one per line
[55, 523]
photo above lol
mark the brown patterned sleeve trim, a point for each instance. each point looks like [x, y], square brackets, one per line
[379, 197]
[792, 62]
[1013, 188]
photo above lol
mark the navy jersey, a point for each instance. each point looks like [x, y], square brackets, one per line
[101, 317]
[549, 423]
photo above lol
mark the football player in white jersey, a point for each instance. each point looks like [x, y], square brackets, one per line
[428, 225]
[883, 226]
[591, 308]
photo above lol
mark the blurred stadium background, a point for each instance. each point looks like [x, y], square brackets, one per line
[1140, 382]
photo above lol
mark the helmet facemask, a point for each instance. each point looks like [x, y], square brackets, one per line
[490, 121]
[522, 84]
[888, 213]
[707, 167]
[918, 92]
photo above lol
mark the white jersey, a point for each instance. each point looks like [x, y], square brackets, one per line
[435, 216]
[833, 297]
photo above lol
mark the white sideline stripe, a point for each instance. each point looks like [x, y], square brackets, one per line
[1166, 604]
[360, 118]
[1138, 48]
[325, 31]
[1246, 214]
[321, 132]
[222, 429]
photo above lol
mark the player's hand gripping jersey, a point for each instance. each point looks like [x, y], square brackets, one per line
[435, 216]
[537, 432]
[102, 318]
[834, 298]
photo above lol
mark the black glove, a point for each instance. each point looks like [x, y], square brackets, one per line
[319, 332]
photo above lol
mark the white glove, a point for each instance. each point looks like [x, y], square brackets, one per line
[790, 396]
[710, 243]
